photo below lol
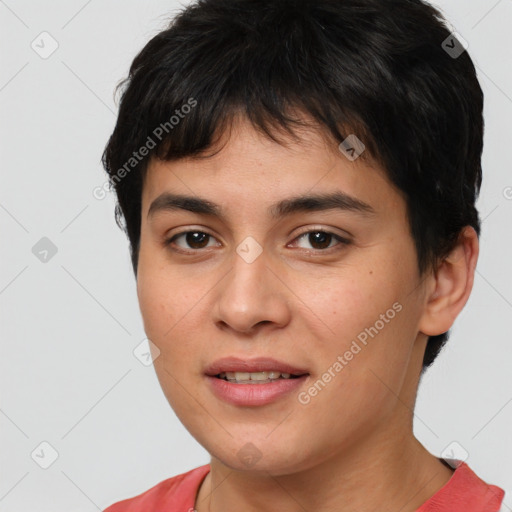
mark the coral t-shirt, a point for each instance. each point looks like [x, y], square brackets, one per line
[464, 492]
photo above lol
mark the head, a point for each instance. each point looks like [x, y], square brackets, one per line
[246, 105]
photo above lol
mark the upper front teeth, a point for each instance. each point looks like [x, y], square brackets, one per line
[241, 376]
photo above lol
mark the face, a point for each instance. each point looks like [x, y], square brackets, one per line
[332, 291]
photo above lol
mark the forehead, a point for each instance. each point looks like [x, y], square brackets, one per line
[246, 167]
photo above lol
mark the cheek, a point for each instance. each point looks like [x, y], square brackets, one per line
[364, 314]
[152, 303]
[163, 307]
[345, 302]
[157, 302]
[169, 307]
[156, 290]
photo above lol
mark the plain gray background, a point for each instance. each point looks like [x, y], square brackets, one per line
[70, 324]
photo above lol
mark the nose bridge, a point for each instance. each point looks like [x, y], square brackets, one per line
[251, 292]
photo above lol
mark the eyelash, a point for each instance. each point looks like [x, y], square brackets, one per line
[342, 241]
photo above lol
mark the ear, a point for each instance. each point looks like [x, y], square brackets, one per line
[451, 285]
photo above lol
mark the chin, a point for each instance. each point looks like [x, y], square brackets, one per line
[251, 454]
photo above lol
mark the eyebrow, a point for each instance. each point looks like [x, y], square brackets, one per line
[304, 203]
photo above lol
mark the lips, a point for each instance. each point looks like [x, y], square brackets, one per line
[260, 364]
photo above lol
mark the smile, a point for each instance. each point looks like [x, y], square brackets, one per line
[254, 377]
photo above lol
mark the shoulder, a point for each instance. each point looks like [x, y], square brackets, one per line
[465, 492]
[180, 490]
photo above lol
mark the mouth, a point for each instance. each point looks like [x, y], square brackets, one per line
[255, 377]
[254, 382]
[247, 392]
[253, 371]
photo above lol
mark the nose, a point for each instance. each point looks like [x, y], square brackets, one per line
[251, 295]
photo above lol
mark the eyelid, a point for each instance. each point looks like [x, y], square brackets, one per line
[169, 239]
[313, 229]
[343, 241]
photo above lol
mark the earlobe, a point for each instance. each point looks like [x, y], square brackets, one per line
[452, 285]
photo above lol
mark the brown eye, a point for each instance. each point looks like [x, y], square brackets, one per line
[321, 240]
[194, 240]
